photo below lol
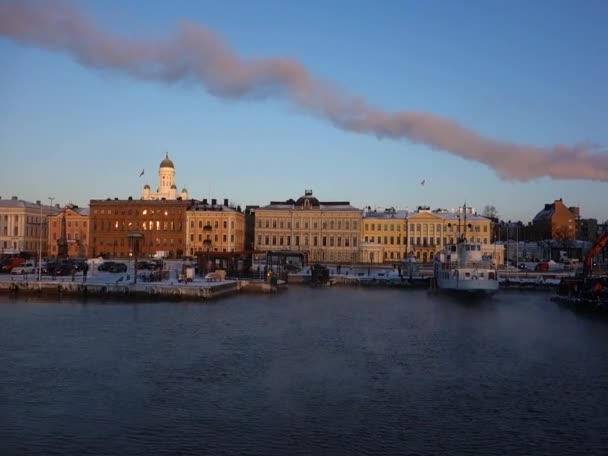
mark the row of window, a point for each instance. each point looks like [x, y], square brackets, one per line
[75, 237]
[417, 241]
[337, 241]
[330, 224]
[215, 238]
[420, 227]
[123, 242]
[165, 212]
[215, 224]
[69, 224]
[107, 225]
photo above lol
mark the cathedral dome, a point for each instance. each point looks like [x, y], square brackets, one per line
[166, 163]
[146, 187]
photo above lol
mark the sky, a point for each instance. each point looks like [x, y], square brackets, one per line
[489, 103]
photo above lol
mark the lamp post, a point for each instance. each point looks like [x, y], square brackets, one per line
[134, 239]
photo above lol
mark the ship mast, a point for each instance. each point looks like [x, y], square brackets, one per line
[464, 234]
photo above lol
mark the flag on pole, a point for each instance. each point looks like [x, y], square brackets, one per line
[142, 173]
[422, 183]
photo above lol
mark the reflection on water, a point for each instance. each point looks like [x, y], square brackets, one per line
[338, 371]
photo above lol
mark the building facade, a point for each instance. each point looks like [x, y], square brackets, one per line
[23, 226]
[555, 221]
[429, 232]
[161, 223]
[68, 232]
[327, 232]
[167, 189]
[214, 228]
[383, 236]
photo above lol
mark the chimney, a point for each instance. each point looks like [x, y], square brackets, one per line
[14, 198]
[205, 201]
[57, 205]
[213, 201]
[38, 202]
[225, 201]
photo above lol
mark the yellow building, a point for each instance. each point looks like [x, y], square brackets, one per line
[214, 228]
[431, 231]
[23, 226]
[383, 236]
[327, 232]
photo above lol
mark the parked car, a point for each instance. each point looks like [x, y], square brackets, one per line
[29, 267]
[10, 264]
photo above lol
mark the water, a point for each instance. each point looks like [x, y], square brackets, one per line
[340, 371]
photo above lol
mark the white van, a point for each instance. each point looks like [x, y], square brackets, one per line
[29, 267]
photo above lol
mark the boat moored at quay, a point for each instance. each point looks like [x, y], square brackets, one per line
[463, 268]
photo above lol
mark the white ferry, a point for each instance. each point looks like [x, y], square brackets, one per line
[463, 268]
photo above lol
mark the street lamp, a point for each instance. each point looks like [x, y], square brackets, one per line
[134, 239]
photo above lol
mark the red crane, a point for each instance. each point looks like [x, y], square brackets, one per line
[601, 242]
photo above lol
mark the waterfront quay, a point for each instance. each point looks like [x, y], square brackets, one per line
[117, 286]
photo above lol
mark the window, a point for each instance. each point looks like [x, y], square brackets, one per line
[315, 241]
[385, 240]
[267, 224]
[281, 240]
[373, 227]
[354, 242]
[200, 224]
[324, 241]
[366, 239]
[346, 243]
[259, 240]
[267, 241]
[274, 240]
[366, 227]
[216, 238]
[274, 223]
[216, 224]
[281, 224]
[297, 239]
[225, 238]
[331, 225]
[225, 224]
[297, 225]
[288, 240]
[260, 223]
[324, 225]
[331, 241]
[339, 241]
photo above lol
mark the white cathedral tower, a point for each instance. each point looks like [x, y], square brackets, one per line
[166, 184]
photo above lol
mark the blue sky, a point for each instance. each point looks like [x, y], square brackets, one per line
[524, 72]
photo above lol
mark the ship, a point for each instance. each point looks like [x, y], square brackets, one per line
[462, 268]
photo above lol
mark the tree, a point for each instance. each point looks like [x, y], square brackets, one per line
[490, 212]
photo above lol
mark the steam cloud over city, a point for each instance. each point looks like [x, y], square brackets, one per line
[192, 53]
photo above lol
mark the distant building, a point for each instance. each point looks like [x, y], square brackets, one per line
[166, 184]
[69, 232]
[431, 231]
[327, 232]
[23, 226]
[162, 224]
[384, 236]
[556, 221]
[213, 227]
[587, 229]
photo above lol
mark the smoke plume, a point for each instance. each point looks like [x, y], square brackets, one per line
[192, 53]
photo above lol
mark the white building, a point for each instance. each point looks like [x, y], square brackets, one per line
[166, 184]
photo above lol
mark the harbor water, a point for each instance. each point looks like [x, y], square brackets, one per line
[336, 371]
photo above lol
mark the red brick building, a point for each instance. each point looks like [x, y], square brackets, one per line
[162, 223]
[556, 221]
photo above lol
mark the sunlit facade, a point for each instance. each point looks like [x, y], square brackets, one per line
[327, 232]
